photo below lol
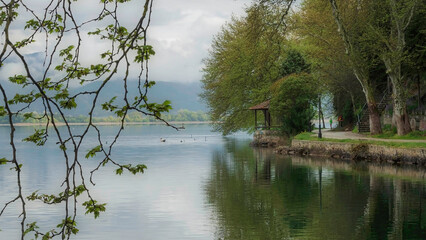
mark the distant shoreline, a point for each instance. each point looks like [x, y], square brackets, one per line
[177, 124]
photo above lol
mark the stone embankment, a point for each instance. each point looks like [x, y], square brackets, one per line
[342, 150]
[356, 151]
[267, 138]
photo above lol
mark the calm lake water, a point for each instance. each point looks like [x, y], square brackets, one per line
[200, 185]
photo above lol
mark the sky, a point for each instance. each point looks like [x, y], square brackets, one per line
[181, 33]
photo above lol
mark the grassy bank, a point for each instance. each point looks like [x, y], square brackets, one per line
[313, 137]
[415, 135]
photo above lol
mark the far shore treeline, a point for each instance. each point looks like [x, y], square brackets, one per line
[182, 115]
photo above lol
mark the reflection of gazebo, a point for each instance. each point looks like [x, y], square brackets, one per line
[264, 107]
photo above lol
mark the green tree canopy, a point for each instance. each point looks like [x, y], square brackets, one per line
[294, 63]
[242, 64]
[293, 102]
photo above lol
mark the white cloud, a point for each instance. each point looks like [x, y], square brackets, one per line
[181, 32]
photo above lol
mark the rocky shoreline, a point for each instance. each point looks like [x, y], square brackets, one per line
[340, 150]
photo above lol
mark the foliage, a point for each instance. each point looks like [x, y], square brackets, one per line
[320, 37]
[348, 46]
[243, 62]
[294, 63]
[388, 24]
[293, 103]
[60, 40]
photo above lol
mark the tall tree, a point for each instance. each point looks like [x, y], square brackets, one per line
[357, 49]
[242, 64]
[315, 31]
[389, 21]
[293, 102]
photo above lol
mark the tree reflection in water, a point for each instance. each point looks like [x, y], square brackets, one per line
[256, 194]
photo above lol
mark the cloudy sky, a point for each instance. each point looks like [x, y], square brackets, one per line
[181, 33]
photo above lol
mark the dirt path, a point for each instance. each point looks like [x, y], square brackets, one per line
[326, 133]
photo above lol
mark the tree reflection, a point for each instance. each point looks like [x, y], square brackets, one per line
[256, 194]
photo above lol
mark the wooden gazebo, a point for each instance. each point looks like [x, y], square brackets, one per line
[264, 107]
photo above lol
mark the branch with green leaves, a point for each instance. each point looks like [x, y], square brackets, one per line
[62, 35]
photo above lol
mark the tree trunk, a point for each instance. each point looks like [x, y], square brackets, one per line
[401, 116]
[323, 122]
[375, 126]
[360, 70]
[393, 120]
[353, 102]
[393, 56]
[419, 103]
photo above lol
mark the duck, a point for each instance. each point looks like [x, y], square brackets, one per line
[162, 140]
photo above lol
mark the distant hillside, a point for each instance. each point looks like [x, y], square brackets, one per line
[182, 96]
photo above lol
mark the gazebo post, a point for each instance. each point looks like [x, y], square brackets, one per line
[264, 114]
[255, 119]
[269, 120]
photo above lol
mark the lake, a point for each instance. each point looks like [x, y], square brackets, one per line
[201, 185]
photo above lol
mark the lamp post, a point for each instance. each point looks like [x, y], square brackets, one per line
[319, 116]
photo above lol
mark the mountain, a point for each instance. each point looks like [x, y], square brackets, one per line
[182, 96]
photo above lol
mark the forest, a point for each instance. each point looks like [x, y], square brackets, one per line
[360, 58]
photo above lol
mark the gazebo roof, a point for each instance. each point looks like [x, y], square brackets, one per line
[261, 106]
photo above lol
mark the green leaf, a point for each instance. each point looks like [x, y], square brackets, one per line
[108, 105]
[2, 111]
[28, 115]
[17, 168]
[93, 151]
[46, 236]
[92, 206]
[18, 79]
[39, 137]
[69, 226]
[30, 228]
[3, 161]
[68, 104]
[63, 147]
[119, 171]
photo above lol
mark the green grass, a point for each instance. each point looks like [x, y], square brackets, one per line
[305, 136]
[314, 137]
[415, 135]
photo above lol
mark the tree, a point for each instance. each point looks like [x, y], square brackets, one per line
[293, 95]
[389, 25]
[315, 31]
[55, 30]
[374, 40]
[294, 63]
[361, 58]
[293, 102]
[415, 64]
[243, 62]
